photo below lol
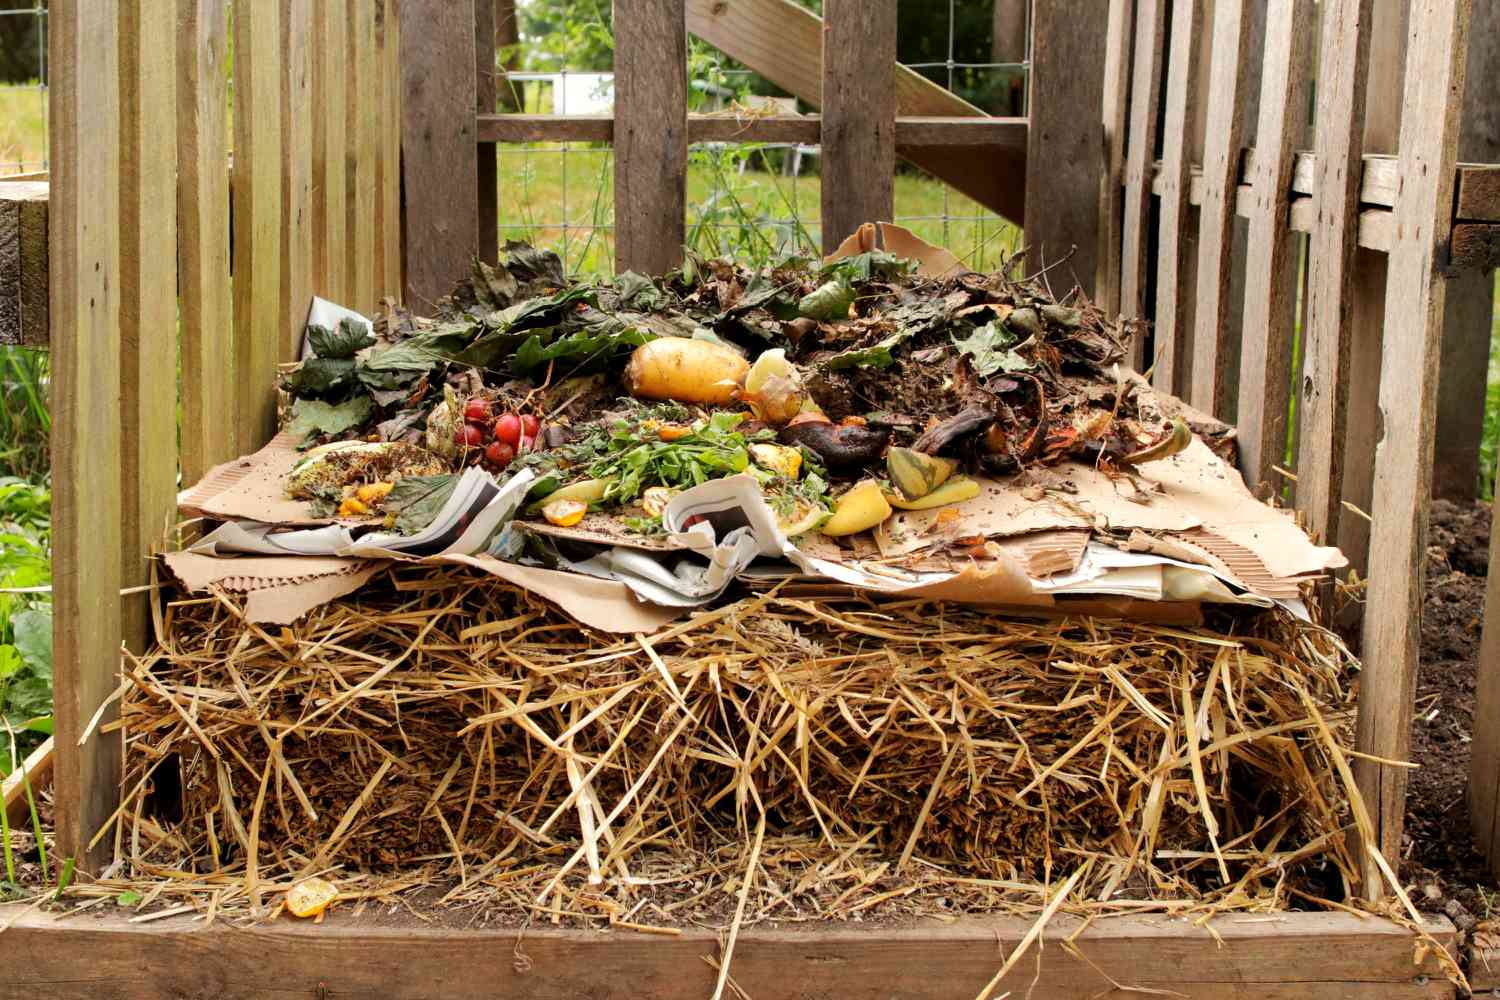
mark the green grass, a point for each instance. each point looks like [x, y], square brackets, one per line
[565, 200]
[23, 128]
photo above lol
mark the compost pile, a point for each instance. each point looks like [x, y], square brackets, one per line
[872, 386]
[792, 748]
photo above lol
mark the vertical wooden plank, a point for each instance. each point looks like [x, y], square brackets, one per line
[438, 165]
[360, 78]
[330, 141]
[1437, 50]
[1065, 160]
[859, 116]
[209, 388]
[651, 134]
[388, 153]
[1270, 267]
[1172, 297]
[484, 86]
[1382, 124]
[1008, 45]
[296, 172]
[1322, 405]
[1464, 366]
[1484, 752]
[1145, 103]
[1221, 174]
[148, 295]
[84, 219]
[258, 315]
[1116, 103]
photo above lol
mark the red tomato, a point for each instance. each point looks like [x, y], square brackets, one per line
[530, 425]
[470, 436]
[508, 430]
[500, 454]
[477, 411]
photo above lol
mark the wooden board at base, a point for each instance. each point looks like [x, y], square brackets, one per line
[1484, 970]
[1307, 956]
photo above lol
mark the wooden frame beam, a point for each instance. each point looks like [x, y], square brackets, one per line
[926, 130]
[1312, 956]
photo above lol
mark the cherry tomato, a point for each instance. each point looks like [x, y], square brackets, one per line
[500, 454]
[477, 411]
[470, 436]
[508, 429]
[530, 425]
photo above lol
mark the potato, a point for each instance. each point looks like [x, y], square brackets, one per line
[861, 508]
[685, 371]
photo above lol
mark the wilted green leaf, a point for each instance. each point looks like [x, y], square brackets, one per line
[318, 375]
[637, 291]
[416, 500]
[128, 898]
[829, 301]
[349, 338]
[311, 416]
[990, 348]
[869, 266]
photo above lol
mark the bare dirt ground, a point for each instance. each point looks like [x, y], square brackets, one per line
[1440, 855]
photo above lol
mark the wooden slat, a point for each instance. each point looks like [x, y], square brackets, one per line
[330, 145]
[148, 295]
[1484, 967]
[362, 78]
[1295, 956]
[209, 388]
[1172, 298]
[1408, 402]
[296, 172]
[1140, 152]
[36, 772]
[651, 135]
[1322, 402]
[84, 227]
[1484, 751]
[783, 42]
[1270, 272]
[1116, 104]
[859, 112]
[484, 90]
[389, 194]
[437, 140]
[1382, 128]
[1470, 308]
[963, 133]
[1221, 173]
[23, 263]
[1066, 156]
[256, 182]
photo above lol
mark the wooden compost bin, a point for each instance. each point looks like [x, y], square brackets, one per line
[337, 102]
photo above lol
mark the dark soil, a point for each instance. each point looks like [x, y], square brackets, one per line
[1439, 849]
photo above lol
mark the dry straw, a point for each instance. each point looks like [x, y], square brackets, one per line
[443, 738]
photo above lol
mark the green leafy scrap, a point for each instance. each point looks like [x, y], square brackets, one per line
[635, 461]
[873, 265]
[416, 500]
[350, 338]
[320, 376]
[313, 416]
[829, 301]
[990, 348]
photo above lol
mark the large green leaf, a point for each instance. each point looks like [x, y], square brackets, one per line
[344, 342]
[312, 416]
[33, 640]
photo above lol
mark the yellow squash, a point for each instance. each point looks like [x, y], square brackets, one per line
[860, 509]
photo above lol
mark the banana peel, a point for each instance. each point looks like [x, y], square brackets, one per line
[951, 492]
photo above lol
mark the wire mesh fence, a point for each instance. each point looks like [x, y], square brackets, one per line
[23, 88]
[750, 200]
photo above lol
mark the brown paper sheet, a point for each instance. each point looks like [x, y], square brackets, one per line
[251, 488]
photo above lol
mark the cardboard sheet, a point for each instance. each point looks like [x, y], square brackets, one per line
[251, 488]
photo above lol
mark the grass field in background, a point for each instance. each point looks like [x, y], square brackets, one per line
[23, 128]
[754, 213]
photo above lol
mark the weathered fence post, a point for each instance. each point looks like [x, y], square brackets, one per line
[84, 221]
[438, 164]
[651, 140]
[859, 116]
[1065, 154]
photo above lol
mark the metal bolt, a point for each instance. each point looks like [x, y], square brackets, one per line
[1422, 980]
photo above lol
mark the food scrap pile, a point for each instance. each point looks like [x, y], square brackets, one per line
[847, 388]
